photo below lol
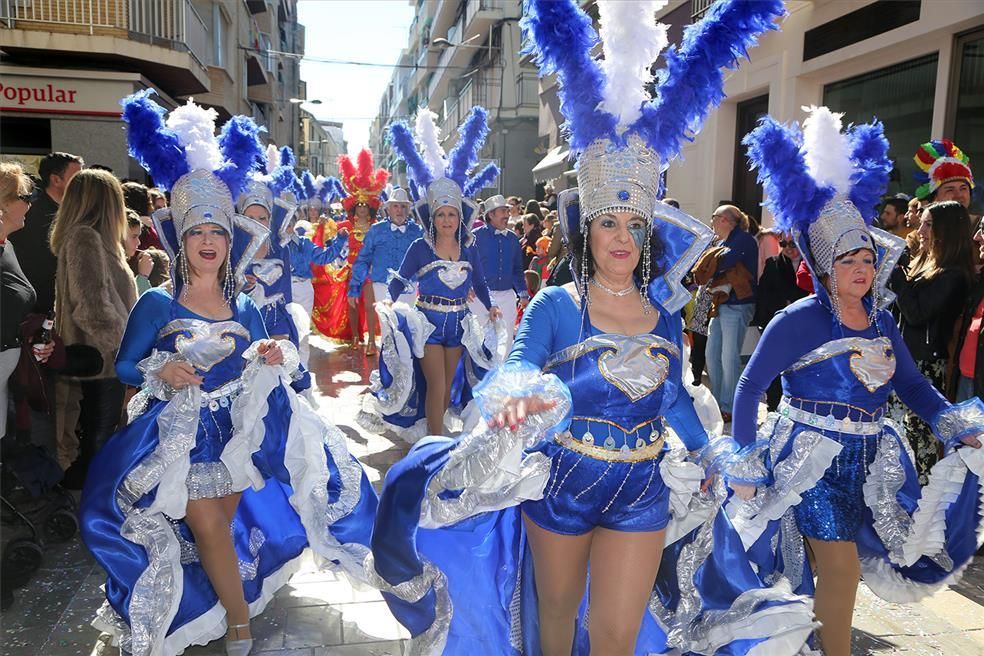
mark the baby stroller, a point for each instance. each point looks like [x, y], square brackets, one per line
[34, 508]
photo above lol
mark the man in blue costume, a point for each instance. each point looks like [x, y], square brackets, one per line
[387, 242]
[502, 262]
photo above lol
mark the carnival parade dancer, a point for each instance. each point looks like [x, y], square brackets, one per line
[383, 250]
[483, 544]
[305, 254]
[204, 503]
[423, 344]
[333, 316]
[502, 262]
[837, 472]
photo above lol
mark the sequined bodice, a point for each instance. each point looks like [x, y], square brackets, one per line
[214, 348]
[619, 385]
[447, 278]
[851, 370]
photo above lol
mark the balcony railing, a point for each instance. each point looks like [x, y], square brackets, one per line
[698, 8]
[170, 23]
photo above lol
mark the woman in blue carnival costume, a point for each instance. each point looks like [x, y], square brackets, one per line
[832, 468]
[483, 544]
[303, 253]
[206, 500]
[422, 345]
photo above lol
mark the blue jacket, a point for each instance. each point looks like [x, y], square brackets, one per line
[502, 259]
[304, 253]
[382, 251]
[743, 248]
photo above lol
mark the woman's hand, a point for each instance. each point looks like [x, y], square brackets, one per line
[495, 313]
[516, 410]
[708, 482]
[271, 352]
[179, 374]
[43, 351]
[973, 440]
[744, 492]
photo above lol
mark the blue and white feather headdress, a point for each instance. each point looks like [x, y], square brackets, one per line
[622, 139]
[439, 179]
[823, 185]
[203, 173]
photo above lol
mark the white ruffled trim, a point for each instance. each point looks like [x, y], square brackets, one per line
[688, 507]
[786, 627]
[886, 581]
[399, 354]
[211, 625]
[806, 476]
[946, 479]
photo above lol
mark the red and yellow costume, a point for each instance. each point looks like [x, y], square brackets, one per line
[363, 183]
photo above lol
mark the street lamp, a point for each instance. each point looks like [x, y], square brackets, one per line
[298, 101]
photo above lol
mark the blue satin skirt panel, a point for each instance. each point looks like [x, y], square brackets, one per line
[584, 493]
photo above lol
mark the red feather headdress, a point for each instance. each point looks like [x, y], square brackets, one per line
[361, 181]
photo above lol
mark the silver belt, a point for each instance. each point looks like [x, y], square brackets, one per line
[222, 397]
[829, 422]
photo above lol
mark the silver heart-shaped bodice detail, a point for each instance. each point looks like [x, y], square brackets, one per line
[268, 271]
[873, 363]
[632, 366]
[453, 274]
[204, 344]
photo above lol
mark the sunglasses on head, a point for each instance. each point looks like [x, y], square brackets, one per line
[786, 244]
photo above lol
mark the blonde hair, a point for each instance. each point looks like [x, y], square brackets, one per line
[94, 199]
[13, 183]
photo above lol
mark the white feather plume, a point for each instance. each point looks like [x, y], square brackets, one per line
[272, 157]
[195, 127]
[632, 39]
[429, 138]
[319, 182]
[827, 150]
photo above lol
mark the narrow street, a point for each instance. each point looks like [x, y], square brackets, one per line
[319, 614]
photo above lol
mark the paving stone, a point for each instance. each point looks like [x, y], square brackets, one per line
[313, 626]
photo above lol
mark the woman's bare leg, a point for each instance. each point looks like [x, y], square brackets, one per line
[623, 570]
[432, 365]
[560, 568]
[369, 297]
[209, 521]
[451, 358]
[838, 573]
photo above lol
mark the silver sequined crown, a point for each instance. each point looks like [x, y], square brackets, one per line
[257, 193]
[613, 178]
[201, 197]
[444, 192]
[839, 229]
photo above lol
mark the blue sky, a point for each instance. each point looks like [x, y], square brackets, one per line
[373, 31]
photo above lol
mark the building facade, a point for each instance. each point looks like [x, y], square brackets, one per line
[66, 64]
[460, 54]
[916, 65]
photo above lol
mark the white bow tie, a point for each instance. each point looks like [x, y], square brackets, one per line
[503, 232]
[401, 228]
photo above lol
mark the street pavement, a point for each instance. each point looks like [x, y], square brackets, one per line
[321, 614]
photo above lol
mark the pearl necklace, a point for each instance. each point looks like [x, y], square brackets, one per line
[619, 293]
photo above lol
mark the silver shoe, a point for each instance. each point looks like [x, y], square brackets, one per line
[238, 647]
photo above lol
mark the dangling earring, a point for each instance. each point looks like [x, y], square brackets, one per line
[646, 274]
[185, 271]
[229, 286]
[584, 272]
[833, 295]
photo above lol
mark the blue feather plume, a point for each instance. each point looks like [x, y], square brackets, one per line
[464, 156]
[869, 151]
[403, 142]
[792, 194]
[692, 82]
[287, 157]
[241, 149]
[282, 180]
[560, 37]
[151, 142]
[332, 190]
[482, 179]
[308, 184]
